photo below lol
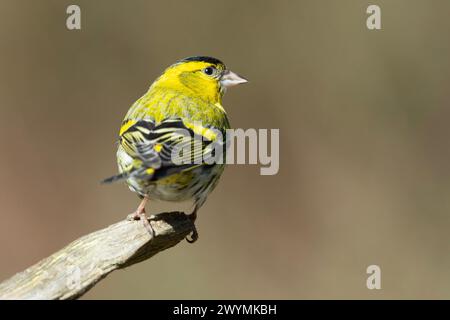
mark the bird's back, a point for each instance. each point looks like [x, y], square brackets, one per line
[160, 112]
[159, 104]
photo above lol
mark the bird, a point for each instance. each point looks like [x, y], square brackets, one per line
[182, 110]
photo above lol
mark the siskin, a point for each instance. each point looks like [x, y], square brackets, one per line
[187, 97]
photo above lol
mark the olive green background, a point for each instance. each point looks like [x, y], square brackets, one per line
[364, 155]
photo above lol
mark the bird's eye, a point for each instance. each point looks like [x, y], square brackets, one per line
[209, 71]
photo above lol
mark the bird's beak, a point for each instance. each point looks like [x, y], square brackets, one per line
[230, 79]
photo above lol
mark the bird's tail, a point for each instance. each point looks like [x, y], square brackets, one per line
[118, 177]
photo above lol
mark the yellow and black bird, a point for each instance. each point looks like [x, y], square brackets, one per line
[187, 97]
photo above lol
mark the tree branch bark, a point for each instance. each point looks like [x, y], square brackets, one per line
[72, 271]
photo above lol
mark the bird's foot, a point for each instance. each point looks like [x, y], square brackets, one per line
[140, 215]
[194, 235]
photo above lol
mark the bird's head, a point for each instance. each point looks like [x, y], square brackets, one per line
[203, 77]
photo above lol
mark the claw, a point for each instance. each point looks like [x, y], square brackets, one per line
[139, 214]
[147, 224]
[194, 235]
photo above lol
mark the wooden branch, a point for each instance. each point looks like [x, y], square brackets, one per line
[72, 271]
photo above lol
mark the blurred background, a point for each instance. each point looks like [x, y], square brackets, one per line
[363, 116]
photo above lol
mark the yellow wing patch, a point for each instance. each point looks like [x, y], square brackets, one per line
[158, 147]
[202, 131]
[127, 125]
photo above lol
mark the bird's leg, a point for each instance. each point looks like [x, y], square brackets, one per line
[194, 236]
[139, 214]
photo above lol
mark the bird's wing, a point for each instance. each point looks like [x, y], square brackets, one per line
[171, 146]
